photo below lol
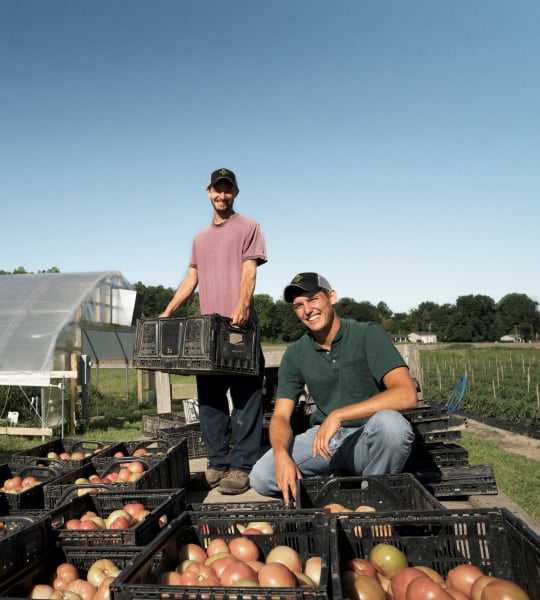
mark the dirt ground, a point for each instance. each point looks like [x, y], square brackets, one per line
[506, 440]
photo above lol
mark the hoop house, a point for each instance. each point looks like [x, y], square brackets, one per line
[47, 320]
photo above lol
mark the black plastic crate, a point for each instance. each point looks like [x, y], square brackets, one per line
[64, 488]
[381, 492]
[198, 344]
[22, 542]
[494, 540]
[438, 454]
[191, 434]
[164, 507]
[462, 481]
[41, 455]
[172, 427]
[153, 451]
[308, 532]
[20, 585]
[152, 424]
[242, 507]
[33, 497]
[449, 435]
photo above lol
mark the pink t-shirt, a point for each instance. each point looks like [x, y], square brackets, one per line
[218, 253]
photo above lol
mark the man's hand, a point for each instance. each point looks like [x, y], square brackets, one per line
[327, 430]
[287, 475]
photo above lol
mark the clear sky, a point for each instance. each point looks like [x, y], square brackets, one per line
[393, 146]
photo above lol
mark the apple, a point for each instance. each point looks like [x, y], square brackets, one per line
[81, 481]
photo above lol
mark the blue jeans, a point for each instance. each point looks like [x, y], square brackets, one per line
[232, 439]
[380, 447]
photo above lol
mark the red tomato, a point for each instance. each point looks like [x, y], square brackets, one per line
[424, 588]
[479, 585]
[286, 556]
[502, 589]
[237, 571]
[359, 587]
[244, 548]
[360, 566]
[462, 578]
[401, 580]
[276, 575]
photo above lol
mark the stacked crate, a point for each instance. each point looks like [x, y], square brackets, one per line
[36, 531]
[438, 462]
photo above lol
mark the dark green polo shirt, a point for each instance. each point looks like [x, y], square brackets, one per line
[351, 371]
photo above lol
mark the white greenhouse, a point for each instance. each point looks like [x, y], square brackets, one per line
[52, 323]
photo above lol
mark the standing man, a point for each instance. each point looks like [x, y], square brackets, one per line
[359, 384]
[224, 260]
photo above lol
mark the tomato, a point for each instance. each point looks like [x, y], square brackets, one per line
[387, 559]
[216, 546]
[192, 552]
[359, 587]
[456, 594]
[244, 548]
[502, 589]
[437, 577]
[462, 578]
[479, 585]
[199, 574]
[313, 568]
[424, 588]
[286, 556]
[401, 580]
[235, 572]
[360, 566]
[41, 591]
[276, 575]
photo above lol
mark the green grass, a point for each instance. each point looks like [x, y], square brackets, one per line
[517, 476]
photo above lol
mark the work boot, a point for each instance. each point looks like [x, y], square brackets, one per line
[213, 477]
[235, 482]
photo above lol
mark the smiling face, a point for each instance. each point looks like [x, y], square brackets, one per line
[222, 195]
[316, 311]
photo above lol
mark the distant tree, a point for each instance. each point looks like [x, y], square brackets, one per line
[156, 299]
[359, 311]
[266, 314]
[23, 271]
[384, 310]
[400, 324]
[518, 312]
[288, 325]
[474, 320]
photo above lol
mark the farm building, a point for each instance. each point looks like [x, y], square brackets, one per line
[423, 338]
[54, 324]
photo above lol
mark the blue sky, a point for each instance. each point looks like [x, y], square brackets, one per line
[392, 146]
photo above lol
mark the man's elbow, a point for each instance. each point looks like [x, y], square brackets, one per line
[410, 398]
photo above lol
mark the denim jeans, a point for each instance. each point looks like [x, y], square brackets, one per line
[380, 447]
[232, 438]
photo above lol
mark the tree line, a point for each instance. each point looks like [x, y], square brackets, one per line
[473, 318]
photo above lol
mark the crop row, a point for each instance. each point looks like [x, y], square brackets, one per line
[501, 383]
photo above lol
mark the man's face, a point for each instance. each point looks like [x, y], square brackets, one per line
[222, 195]
[315, 309]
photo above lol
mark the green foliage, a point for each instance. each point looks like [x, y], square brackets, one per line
[502, 383]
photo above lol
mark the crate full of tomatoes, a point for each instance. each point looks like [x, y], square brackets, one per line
[441, 555]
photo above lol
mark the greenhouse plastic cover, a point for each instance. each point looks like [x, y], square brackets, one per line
[40, 315]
